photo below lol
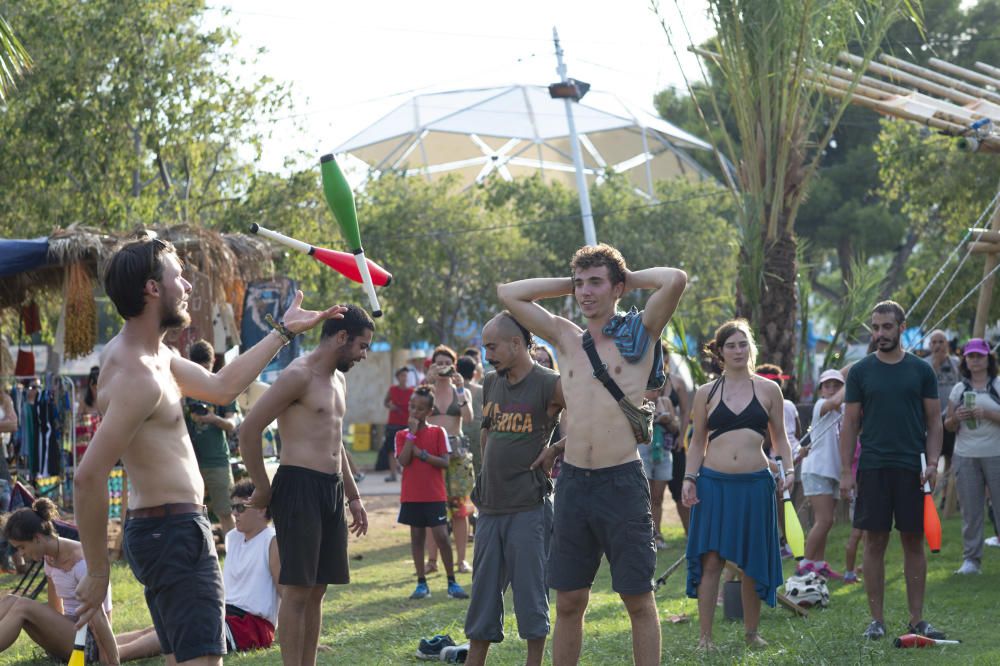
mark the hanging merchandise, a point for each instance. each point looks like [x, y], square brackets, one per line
[81, 328]
[25, 365]
[30, 319]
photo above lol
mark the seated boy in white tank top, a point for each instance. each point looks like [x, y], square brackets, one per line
[250, 575]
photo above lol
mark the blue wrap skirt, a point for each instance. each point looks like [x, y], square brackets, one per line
[736, 517]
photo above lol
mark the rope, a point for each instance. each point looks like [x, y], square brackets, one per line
[957, 305]
[947, 261]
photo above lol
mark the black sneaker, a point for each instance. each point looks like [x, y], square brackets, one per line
[875, 631]
[430, 649]
[925, 628]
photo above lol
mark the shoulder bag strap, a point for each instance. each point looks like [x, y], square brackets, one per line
[600, 368]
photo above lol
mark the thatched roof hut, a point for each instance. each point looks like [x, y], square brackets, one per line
[230, 261]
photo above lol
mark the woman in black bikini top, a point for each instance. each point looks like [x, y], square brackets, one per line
[723, 419]
[729, 486]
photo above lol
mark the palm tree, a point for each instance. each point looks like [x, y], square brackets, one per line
[765, 53]
[14, 60]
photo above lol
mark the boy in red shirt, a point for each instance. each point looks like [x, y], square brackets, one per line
[422, 451]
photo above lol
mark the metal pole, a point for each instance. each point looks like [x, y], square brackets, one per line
[589, 234]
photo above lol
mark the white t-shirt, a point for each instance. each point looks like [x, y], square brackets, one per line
[984, 440]
[791, 413]
[65, 583]
[247, 574]
[824, 452]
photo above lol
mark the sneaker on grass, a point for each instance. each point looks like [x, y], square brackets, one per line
[850, 578]
[968, 567]
[993, 541]
[825, 571]
[455, 654]
[430, 648]
[422, 591]
[455, 591]
[875, 631]
[925, 628]
[805, 569]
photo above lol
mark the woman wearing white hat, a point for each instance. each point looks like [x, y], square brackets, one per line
[821, 471]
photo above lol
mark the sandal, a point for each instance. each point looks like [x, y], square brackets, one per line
[430, 567]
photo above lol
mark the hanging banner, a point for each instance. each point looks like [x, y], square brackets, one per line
[262, 298]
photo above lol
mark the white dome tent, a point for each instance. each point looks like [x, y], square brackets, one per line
[519, 130]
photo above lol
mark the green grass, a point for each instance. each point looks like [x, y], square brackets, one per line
[371, 621]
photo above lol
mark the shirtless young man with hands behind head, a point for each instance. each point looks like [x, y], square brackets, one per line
[603, 504]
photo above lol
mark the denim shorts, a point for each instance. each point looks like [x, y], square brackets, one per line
[175, 561]
[660, 471]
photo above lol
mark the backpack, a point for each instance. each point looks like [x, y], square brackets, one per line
[807, 590]
[991, 388]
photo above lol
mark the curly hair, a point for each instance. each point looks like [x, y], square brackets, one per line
[591, 256]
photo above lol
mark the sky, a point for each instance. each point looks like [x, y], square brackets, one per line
[351, 63]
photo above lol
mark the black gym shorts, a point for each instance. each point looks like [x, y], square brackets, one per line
[307, 507]
[423, 514]
[886, 494]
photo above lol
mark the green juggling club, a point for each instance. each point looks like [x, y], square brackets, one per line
[340, 198]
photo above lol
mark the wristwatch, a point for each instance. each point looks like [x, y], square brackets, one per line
[422, 455]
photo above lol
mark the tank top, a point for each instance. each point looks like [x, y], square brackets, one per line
[247, 574]
[723, 420]
[65, 583]
[518, 427]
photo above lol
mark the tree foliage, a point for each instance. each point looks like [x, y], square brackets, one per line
[130, 118]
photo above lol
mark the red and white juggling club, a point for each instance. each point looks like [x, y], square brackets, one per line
[342, 262]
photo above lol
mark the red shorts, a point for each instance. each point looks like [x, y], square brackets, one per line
[249, 632]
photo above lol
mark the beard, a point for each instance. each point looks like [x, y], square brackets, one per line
[176, 318]
[891, 342]
[344, 366]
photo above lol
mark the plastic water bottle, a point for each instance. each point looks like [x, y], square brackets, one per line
[969, 398]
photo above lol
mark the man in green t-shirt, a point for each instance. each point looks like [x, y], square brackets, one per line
[891, 398]
[521, 406]
[209, 427]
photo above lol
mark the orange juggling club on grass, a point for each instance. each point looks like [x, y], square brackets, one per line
[342, 262]
[932, 523]
[918, 641]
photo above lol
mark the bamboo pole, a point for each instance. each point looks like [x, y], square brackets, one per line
[871, 81]
[989, 69]
[984, 248]
[844, 84]
[886, 109]
[916, 81]
[986, 291]
[935, 77]
[975, 77]
[985, 235]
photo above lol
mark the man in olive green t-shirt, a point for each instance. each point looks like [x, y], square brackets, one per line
[521, 406]
[209, 426]
[891, 398]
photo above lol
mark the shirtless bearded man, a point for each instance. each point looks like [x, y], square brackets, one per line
[307, 497]
[602, 505]
[168, 539]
